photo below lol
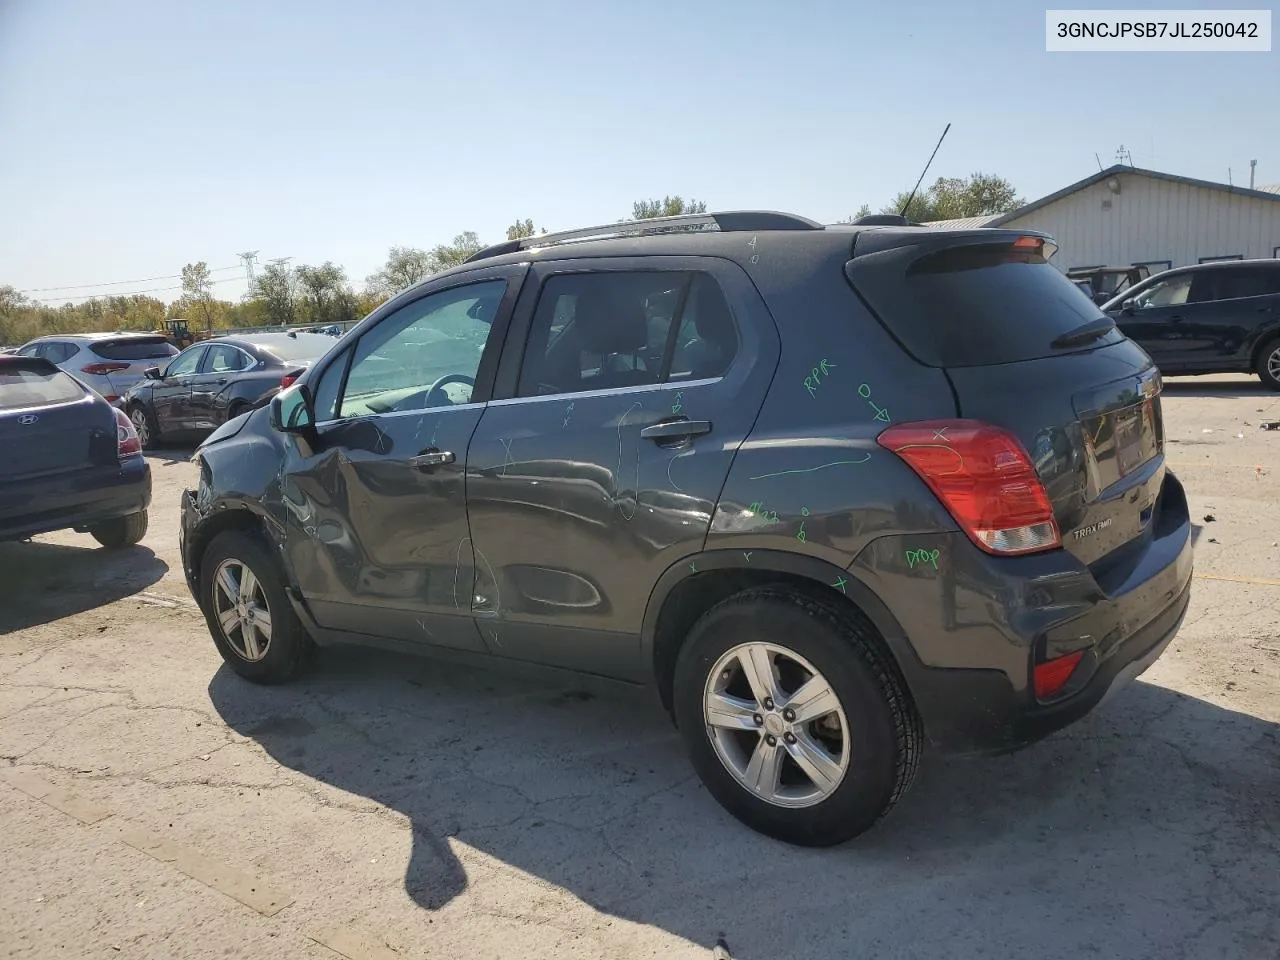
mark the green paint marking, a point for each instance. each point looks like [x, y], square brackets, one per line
[834, 463]
[840, 584]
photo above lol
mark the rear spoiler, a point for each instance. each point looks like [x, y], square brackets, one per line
[10, 362]
[921, 242]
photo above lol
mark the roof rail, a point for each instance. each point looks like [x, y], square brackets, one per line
[734, 221]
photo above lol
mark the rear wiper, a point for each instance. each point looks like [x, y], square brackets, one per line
[1084, 333]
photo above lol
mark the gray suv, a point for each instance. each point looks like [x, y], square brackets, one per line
[837, 493]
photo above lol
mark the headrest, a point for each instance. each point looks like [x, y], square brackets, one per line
[606, 323]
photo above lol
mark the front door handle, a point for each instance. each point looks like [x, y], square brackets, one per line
[676, 429]
[431, 458]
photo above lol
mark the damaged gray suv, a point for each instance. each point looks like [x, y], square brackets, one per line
[835, 492]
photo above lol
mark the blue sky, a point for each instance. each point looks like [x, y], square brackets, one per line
[138, 136]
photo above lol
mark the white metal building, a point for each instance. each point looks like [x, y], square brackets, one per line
[1125, 215]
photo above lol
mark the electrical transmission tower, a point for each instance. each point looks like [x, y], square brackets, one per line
[1124, 156]
[249, 257]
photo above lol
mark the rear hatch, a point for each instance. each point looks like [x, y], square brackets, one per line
[49, 424]
[1027, 351]
[124, 360]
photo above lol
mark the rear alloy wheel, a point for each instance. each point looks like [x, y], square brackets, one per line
[794, 716]
[142, 424]
[249, 615]
[1269, 364]
[122, 531]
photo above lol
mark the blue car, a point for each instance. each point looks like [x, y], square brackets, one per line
[71, 460]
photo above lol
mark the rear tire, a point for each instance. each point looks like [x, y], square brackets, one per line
[145, 425]
[869, 730]
[236, 409]
[1268, 368]
[262, 638]
[122, 531]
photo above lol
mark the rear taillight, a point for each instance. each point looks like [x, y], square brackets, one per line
[1052, 676]
[289, 379]
[984, 478]
[127, 442]
[102, 369]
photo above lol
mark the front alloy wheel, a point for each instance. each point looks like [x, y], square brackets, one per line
[776, 724]
[242, 610]
[142, 425]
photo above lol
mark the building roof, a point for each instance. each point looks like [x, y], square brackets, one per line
[1269, 192]
[964, 223]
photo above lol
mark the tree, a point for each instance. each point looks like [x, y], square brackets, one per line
[195, 290]
[326, 296]
[666, 207]
[405, 266]
[863, 211]
[448, 255]
[949, 198]
[521, 229]
[275, 291]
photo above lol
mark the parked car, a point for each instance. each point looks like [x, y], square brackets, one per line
[216, 380]
[1107, 282]
[109, 363]
[72, 461]
[1221, 317]
[835, 492]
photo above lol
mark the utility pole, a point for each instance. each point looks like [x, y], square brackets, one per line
[1253, 166]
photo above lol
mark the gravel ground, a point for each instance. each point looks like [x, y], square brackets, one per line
[152, 805]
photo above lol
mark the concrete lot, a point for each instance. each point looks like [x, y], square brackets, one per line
[153, 805]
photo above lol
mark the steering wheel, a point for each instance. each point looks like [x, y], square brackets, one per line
[424, 398]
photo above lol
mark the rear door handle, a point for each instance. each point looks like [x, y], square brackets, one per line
[431, 458]
[676, 429]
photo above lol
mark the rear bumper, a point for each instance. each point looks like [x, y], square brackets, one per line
[976, 625]
[74, 500]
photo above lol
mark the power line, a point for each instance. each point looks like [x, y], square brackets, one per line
[134, 293]
[117, 283]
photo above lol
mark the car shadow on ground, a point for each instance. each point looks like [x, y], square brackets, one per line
[168, 454]
[43, 582]
[1159, 810]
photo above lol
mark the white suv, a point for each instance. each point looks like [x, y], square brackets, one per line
[109, 363]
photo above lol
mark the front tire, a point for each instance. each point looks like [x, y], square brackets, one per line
[249, 615]
[121, 532]
[794, 717]
[145, 425]
[1268, 368]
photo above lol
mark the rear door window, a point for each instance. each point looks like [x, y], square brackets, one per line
[224, 358]
[1240, 282]
[977, 303]
[134, 348]
[21, 386]
[614, 329]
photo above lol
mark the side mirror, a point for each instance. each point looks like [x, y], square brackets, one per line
[292, 411]
[1128, 305]
[152, 373]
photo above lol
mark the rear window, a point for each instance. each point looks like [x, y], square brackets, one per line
[978, 304]
[311, 347]
[24, 387]
[134, 348]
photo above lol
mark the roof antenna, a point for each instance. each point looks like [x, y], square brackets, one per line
[903, 211]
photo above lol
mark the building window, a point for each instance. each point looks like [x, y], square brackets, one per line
[1225, 256]
[1154, 266]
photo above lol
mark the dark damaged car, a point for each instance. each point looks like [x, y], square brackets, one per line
[837, 493]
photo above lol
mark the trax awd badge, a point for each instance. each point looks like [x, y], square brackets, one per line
[1092, 528]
